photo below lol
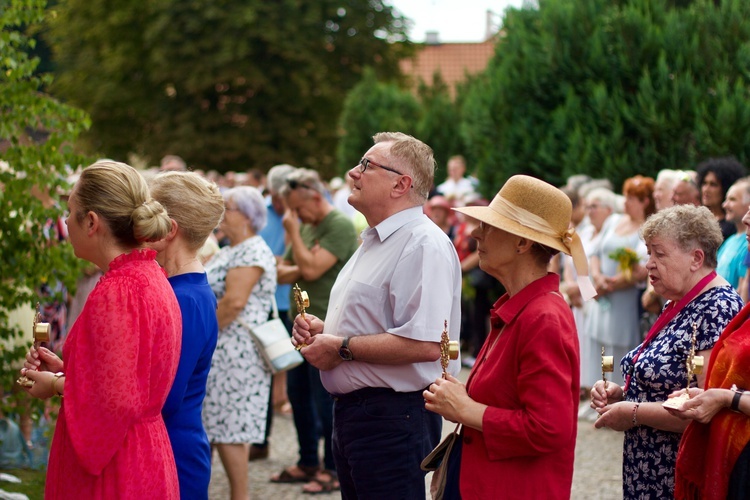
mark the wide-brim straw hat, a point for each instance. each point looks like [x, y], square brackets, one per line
[533, 209]
[535, 197]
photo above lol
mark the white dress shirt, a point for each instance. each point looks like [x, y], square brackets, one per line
[405, 279]
[457, 191]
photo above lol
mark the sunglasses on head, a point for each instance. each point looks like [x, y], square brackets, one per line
[293, 184]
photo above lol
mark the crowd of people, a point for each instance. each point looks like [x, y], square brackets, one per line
[158, 368]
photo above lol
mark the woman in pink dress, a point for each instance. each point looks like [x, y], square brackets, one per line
[121, 355]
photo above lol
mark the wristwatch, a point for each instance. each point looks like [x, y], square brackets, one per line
[344, 351]
[736, 398]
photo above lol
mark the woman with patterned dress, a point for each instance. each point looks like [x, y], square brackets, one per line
[195, 207]
[682, 242]
[243, 277]
[122, 353]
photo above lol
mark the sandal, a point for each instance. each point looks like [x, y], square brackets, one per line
[325, 481]
[296, 474]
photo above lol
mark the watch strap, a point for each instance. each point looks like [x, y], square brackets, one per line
[736, 398]
[344, 351]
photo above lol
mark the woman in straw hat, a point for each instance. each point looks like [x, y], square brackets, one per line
[519, 406]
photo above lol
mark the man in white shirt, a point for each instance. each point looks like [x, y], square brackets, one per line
[380, 344]
[457, 188]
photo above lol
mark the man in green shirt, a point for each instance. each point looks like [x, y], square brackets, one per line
[321, 240]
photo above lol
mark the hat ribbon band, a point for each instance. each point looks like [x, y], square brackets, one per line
[569, 238]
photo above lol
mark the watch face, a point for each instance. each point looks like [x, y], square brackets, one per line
[345, 354]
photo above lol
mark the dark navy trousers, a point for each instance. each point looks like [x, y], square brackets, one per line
[379, 440]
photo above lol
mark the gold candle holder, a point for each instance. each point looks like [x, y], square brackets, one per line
[698, 364]
[303, 302]
[448, 349]
[608, 366]
[694, 365]
[40, 332]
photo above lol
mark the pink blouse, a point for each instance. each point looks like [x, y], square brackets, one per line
[120, 357]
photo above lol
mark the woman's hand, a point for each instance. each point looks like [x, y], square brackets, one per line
[702, 405]
[573, 293]
[601, 396]
[44, 360]
[618, 417]
[651, 301]
[621, 281]
[601, 285]
[447, 397]
[618, 282]
[43, 387]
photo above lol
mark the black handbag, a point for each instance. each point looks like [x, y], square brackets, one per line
[445, 463]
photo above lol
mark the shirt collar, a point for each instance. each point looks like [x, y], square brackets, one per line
[397, 221]
[507, 308]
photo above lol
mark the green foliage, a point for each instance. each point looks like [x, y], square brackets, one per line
[227, 85]
[31, 485]
[37, 132]
[439, 123]
[373, 107]
[611, 89]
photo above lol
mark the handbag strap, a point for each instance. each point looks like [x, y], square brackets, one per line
[274, 309]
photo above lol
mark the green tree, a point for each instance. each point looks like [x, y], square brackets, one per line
[371, 107]
[439, 123]
[227, 85]
[611, 89]
[36, 132]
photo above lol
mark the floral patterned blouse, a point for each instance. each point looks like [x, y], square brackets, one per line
[649, 454]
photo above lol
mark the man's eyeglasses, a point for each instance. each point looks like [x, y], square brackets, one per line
[293, 184]
[364, 164]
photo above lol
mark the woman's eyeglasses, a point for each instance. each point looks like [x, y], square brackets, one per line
[364, 164]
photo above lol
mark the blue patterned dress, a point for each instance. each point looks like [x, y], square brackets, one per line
[649, 454]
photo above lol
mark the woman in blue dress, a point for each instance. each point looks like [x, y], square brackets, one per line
[682, 242]
[196, 208]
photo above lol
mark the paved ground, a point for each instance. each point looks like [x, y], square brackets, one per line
[597, 466]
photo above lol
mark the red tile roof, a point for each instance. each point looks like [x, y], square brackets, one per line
[452, 60]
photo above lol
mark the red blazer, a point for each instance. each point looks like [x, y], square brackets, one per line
[530, 380]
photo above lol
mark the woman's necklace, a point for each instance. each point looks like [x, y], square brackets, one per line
[195, 259]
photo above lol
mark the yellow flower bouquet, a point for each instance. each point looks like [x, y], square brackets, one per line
[626, 259]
